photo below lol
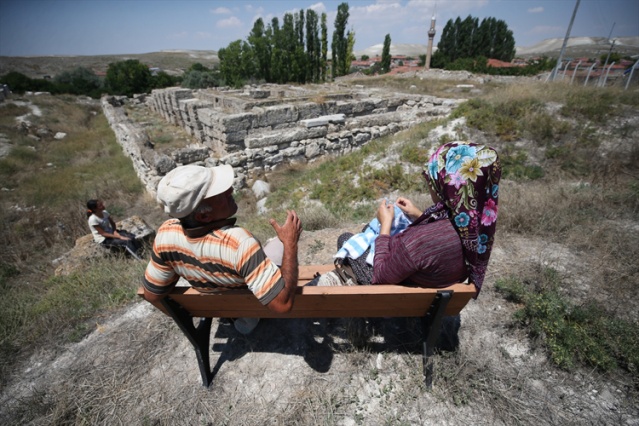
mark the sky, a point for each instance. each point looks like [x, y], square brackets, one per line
[101, 27]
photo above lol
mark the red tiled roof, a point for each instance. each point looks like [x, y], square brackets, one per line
[496, 63]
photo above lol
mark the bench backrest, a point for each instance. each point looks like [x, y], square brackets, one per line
[385, 300]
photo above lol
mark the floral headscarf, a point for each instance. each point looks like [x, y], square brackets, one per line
[466, 176]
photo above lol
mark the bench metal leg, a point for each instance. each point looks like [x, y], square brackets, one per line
[198, 336]
[432, 327]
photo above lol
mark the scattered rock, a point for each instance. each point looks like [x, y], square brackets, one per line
[261, 189]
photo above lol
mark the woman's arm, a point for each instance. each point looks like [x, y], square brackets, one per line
[392, 263]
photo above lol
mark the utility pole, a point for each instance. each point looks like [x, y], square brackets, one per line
[563, 47]
[609, 51]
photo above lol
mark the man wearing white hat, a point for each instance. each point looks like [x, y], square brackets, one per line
[202, 244]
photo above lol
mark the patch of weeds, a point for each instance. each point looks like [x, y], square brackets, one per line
[514, 165]
[317, 217]
[572, 334]
[7, 270]
[576, 157]
[542, 128]
[393, 178]
[8, 168]
[10, 111]
[587, 136]
[445, 138]
[414, 154]
[24, 155]
[161, 139]
[592, 104]
[316, 247]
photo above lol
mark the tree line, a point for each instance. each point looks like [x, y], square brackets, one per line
[468, 44]
[293, 51]
[470, 39]
[122, 78]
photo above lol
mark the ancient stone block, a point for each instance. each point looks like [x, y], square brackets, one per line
[190, 154]
[237, 122]
[207, 116]
[309, 110]
[283, 137]
[274, 115]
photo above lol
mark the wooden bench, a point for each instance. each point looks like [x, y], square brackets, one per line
[362, 301]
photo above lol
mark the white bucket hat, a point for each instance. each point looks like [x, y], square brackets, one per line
[183, 188]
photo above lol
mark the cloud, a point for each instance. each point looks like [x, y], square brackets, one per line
[381, 7]
[319, 8]
[536, 9]
[231, 22]
[545, 29]
[255, 10]
[221, 11]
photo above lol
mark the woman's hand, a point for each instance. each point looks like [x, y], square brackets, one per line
[408, 207]
[385, 215]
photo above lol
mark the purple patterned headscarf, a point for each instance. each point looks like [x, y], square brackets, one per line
[466, 176]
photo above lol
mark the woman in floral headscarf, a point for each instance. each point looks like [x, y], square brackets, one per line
[451, 240]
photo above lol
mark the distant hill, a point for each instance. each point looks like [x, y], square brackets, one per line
[172, 61]
[576, 47]
[581, 46]
[176, 61]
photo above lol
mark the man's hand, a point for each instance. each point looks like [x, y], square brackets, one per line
[289, 234]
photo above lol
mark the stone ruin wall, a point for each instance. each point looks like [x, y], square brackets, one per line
[258, 129]
[255, 130]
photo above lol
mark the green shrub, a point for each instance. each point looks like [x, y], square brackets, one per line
[572, 334]
[514, 165]
[414, 154]
[591, 104]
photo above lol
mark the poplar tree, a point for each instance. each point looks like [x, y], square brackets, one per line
[339, 46]
[288, 46]
[324, 59]
[386, 55]
[261, 48]
[236, 63]
[312, 46]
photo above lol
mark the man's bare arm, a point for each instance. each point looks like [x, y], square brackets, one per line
[289, 234]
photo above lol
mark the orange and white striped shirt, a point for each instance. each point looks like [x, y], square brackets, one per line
[224, 258]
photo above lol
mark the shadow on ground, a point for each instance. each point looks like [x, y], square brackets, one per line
[318, 340]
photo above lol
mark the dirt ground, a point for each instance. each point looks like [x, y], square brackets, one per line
[138, 368]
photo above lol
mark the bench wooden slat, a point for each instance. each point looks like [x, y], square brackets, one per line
[323, 302]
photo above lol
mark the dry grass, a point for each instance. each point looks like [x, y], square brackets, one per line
[47, 183]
